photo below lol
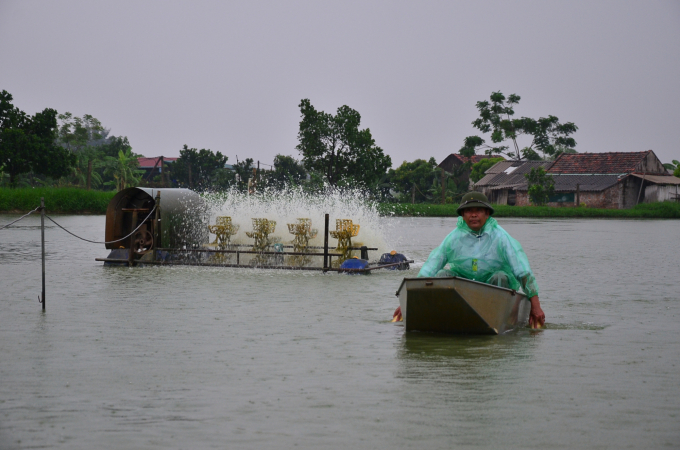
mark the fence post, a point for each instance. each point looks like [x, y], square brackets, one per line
[325, 244]
[42, 242]
[157, 226]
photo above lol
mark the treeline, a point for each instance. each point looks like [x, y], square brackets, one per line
[50, 149]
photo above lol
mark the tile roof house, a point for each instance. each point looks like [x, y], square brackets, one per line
[607, 180]
[153, 166]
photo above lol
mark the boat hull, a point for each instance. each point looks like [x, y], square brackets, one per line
[459, 306]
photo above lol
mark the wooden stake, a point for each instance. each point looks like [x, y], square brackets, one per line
[42, 242]
[325, 244]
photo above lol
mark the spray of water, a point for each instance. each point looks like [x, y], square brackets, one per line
[287, 205]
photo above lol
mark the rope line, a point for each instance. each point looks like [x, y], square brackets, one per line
[104, 242]
[25, 215]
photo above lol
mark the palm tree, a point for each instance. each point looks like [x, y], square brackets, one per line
[675, 167]
[123, 169]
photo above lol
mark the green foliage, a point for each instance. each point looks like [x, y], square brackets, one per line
[27, 142]
[57, 200]
[93, 148]
[419, 173]
[244, 171]
[548, 135]
[674, 167]
[115, 144]
[200, 169]
[123, 170]
[425, 178]
[541, 186]
[83, 137]
[452, 188]
[335, 147]
[482, 166]
[287, 172]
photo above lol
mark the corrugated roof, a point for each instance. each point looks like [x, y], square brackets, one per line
[499, 167]
[515, 177]
[659, 179]
[600, 163]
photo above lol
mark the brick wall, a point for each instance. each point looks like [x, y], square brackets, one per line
[609, 198]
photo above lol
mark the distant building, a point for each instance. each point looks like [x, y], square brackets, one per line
[599, 180]
[153, 166]
[608, 180]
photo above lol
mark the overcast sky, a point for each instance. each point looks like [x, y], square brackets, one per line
[229, 75]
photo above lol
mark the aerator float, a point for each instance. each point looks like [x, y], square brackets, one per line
[147, 226]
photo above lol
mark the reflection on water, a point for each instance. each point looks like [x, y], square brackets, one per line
[427, 347]
[196, 357]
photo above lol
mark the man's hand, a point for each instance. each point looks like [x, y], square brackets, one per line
[397, 315]
[536, 316]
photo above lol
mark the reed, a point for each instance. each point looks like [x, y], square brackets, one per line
[57, 200]
[660, 210]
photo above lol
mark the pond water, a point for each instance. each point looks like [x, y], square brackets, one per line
[194, 357]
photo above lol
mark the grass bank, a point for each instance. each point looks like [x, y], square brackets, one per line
[81, 201]
[661, 210]
[57, 200]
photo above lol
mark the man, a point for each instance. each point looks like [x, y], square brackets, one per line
[479, 249]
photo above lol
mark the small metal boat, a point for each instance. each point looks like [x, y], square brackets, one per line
[461, 306]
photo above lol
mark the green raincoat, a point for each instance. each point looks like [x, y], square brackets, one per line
[490, 256]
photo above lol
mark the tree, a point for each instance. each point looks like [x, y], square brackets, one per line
[413, 180]
[123, 170]
[453, 186]
[198, 168]
[84, 137]
[287, 171]
[27, 143]
[548, 136]
[675, 167]
[482, 166]
[244, 170]
[541, 186]
[114, 144]
[337, 148]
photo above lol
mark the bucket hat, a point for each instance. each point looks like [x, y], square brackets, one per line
[474, 200]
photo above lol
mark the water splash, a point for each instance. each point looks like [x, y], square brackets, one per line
[287, 205]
